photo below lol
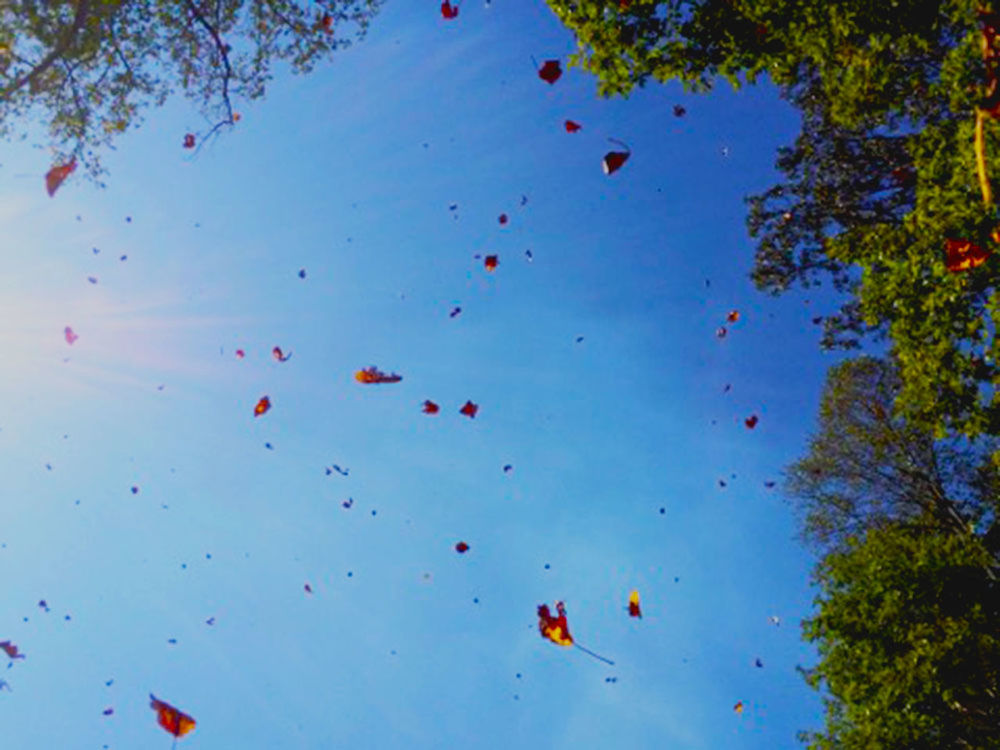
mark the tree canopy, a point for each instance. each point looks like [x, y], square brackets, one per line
[866, 467]
[908, 631]
[888, 182]
[86, 69]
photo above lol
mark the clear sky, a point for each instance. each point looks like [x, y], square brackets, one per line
[193, 587]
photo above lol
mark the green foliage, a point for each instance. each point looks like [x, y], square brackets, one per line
[881, 176]
[908, 632]
[88, 68]
[866, 467]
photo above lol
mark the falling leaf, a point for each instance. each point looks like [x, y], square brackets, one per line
[491, 262]
[507, 468]
[774, 620]
[721, 332]
[348, 503]
[961, 255]
[751, 421]
[738, 708]
[528, 255]
[189, 140]
[470, 409]
[175, 722]
[454, 312]
[769, 485]
[613, 160]
[572, 127]
[554, 628]
[240, 354]
[70, 336]
[302, 273]
[108, 711]
[372, 375]
[44, 605]
[431, 408]
[758, 663]
[11, 650]
[262, 406]
[550, 71]
[733, 316]
[461, 548]
[279, 355]
[633, 605]
[502, 219]
[92, 279]
[679, 111]
[449, 11]
[308, 588]
[327, 23]
[55, 176]
[335, 468]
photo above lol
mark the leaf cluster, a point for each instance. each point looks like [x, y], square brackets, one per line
[86, 69]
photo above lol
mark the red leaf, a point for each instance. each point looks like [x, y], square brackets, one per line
[572, 127]
[280, 355]
[11, 650]
[461, 548]
[550, 71]
[613, 161]
[189, 140]
[503, 219]
[491, 262]
[431, 408]
[240, 354]
[327, 23]
[470, 409]
[751, 421]
[55, 176]
[448, 11]
[70, 336]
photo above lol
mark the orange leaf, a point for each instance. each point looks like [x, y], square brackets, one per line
[175, 722]
[556, 628]
[262, 406]
[55, 176]
[633, 604]
[372, 375]
[961, 255]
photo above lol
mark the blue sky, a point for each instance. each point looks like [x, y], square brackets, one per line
[349, 173]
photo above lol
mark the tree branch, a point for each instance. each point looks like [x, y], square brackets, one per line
[65, 42]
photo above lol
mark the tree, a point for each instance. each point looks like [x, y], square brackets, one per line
[88, 68]
[891, 169]
[908, 633]
[866, 468]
